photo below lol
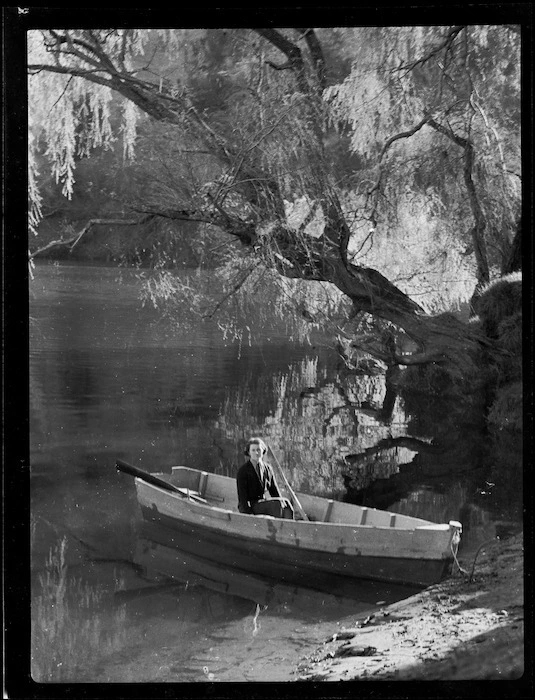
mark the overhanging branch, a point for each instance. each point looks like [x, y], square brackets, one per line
[73, 240]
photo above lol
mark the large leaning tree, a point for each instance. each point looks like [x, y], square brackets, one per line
[302, 148]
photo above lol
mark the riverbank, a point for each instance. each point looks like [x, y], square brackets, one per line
[469, 627]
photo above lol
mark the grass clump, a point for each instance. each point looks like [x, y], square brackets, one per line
[68, 632]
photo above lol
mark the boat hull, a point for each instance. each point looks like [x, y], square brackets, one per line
[259, 555]
[337, 538]
[181, 557]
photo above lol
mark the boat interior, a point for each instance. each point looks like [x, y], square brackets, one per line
[219, 491]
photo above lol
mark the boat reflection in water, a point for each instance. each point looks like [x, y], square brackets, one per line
[183, 558]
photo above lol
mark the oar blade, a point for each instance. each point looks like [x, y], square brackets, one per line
[147, 477]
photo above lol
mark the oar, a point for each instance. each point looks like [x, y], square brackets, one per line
[156, 481]
[145, 476]
[294, 498]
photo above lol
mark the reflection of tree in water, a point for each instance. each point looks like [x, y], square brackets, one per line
[311, 419]
[458, 472]
[328, 434]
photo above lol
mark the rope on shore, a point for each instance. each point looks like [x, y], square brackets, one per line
[454, 549]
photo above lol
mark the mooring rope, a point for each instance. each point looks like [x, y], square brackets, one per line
[455, 548]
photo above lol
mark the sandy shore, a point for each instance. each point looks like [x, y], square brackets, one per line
[469, 627]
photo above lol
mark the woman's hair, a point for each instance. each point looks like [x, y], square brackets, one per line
[256, 441]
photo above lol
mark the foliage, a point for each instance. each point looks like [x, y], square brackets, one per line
[413, 95]
[240, 290]
[510, 334]
[498, 301]
[68, 117]
[506, 411]
[35, 199]
[429, 262]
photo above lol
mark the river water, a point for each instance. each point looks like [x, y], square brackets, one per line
[109, 379]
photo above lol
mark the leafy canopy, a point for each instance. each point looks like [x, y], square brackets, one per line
[362, 143]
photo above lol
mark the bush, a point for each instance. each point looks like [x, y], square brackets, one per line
[510, 333]
[506, 410]
[499, 300]
[509, 341]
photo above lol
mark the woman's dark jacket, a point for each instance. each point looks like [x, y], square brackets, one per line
[251, 489]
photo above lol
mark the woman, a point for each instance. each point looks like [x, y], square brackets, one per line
[254, 478]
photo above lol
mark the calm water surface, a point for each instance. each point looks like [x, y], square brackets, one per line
[110, 379]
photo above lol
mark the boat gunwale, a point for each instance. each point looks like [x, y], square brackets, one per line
[427, 524]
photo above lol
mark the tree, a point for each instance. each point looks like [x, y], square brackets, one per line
[254, 147]
[434, 108]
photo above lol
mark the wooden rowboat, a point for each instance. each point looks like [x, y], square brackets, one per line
[339, 538]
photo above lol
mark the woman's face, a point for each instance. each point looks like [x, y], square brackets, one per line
[255, 453]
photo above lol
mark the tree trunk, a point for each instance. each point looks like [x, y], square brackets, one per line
[513, 261]
[440, 338]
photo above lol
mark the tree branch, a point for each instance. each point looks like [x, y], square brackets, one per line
[316, 52]
[478, 230]
[291, 51]
[87, 74]
[403, 135]
[281, 66]
[445, 44]
[73, 240]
